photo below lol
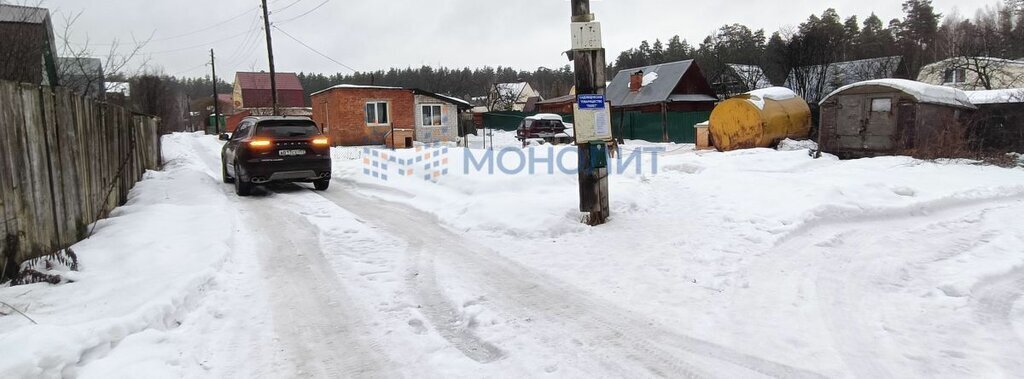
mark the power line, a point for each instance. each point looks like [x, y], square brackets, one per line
[314, 50]
[307, 12]
[203, 45]
[287, 6]
[194, 32]
[191, 69]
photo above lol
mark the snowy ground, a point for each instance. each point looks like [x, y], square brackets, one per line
[743, 264]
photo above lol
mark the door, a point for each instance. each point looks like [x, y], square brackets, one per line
[231, 146]
[881, 123]
[850, 123]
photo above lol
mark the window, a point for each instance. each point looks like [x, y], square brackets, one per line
[287, 129]
[242, 130]
[955, 75]
[377, 113]
[431, 115]
[881, 105]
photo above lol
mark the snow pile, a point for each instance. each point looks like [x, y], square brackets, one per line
[758, 97]
[795, 145]
[649, 78]
[923, 92]
[145, 268]
[997, 96]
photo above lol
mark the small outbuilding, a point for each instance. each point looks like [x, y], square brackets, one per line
[894, 116]
[998, 125]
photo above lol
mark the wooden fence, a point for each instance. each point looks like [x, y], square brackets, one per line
[65, 162]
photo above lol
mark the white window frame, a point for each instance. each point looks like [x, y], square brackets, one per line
[959, 76]
[377, 108]
[440, 115]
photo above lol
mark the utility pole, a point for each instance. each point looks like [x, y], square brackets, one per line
[216, 101]
[593, 123]
[270, 55]
[191, 127]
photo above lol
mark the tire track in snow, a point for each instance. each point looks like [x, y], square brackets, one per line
[993, 300]
[616, 334]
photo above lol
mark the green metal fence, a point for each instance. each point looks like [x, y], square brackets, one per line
[509, 121]
[648, 126]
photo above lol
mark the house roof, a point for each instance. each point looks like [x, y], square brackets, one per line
[660, 83]
[558, 100]
[922, 92]
[355, 86]
[507, 89]
[842, 73]
[751, 73]
[22, 14]
[286, 81]
[462, 104]
[80, 66]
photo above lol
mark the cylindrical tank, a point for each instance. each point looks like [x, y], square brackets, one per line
[760, 118]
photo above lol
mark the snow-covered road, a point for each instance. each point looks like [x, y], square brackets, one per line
[872, 268]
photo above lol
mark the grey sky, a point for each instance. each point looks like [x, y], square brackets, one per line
[369, 35]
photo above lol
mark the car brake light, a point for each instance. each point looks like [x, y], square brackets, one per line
[321, 141]
[260, 143]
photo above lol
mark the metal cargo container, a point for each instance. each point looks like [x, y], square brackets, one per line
[760, 118]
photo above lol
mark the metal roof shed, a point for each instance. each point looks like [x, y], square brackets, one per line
[893, 116]
[998, 125]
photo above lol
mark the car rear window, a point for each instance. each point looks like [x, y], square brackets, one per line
[286, 129]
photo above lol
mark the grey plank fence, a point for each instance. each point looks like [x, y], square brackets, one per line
[65, 162]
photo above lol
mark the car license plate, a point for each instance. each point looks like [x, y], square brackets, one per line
[291, 153]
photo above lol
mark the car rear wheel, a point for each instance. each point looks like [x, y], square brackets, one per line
[224, 173]
[322, 184]
[242, 188]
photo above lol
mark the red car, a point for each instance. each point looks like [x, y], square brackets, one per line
[545, 126]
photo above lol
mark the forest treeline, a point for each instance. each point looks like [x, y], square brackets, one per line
[921, 36]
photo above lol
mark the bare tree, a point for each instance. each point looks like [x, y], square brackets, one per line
[82, 71]
[975, 49]
[504, 96]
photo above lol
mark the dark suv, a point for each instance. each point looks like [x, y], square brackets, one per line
[548, 127]
[276, 149]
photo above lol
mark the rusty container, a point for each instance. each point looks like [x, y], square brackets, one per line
[760, 118]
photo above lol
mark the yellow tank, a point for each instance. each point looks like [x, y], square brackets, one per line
[760, 118]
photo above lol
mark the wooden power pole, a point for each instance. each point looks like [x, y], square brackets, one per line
[270, 55]
[216, 100]
[592, 129]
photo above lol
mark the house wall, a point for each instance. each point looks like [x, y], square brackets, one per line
[1003, 76]
[261, 98]
[342, 114]
[449, 131]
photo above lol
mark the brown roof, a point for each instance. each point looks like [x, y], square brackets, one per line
[286, 81]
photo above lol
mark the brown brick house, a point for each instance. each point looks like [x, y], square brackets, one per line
[252, 90]
[354, 115]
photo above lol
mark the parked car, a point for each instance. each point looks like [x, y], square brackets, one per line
[545, 126]
[276, 149]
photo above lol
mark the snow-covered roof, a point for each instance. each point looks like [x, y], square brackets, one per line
[353, 86]
[996, 96]
[545, 116]
[808, 80]
[922, 92]
[752, 74]
[23, 14]
[456, 100]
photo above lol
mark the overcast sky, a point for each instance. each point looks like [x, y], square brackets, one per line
[378, 34]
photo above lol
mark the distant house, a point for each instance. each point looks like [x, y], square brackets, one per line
[27, 46]
[661, 102]
[84, 76]
[517, 97]
[740, 78]
[356, 115]
[252, 90]
[814, 82]
[974, 73]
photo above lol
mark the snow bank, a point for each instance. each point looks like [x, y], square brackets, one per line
[649, 78]
[758, 97]
[923, 92]
[793, 145]
[144, 269]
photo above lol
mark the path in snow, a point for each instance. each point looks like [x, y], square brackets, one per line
[561, 317]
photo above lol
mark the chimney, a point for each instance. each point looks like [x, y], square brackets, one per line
[636, 81]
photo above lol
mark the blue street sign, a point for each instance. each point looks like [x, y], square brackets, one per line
[590, 101]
